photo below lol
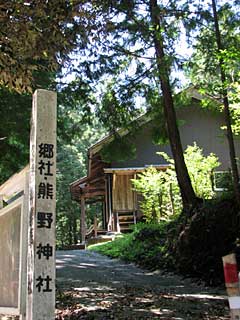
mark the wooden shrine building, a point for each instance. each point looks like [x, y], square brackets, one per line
[113, 188]
[110, 183]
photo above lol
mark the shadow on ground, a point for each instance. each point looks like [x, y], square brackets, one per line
[92, 286]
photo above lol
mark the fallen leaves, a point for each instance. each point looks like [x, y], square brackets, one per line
[137, 303]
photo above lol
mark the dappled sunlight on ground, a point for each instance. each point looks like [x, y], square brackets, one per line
[91, 286]
[131, 303]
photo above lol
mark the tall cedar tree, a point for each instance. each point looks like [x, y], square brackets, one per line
[133, 31]
[227, 115]
[214, 66]
[187, 193]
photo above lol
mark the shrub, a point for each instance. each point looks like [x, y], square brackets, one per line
[145, 246]
[210, 234]
[160, 191]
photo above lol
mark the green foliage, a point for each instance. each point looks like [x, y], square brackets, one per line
[160, 191]
[200, 168]
[159, 129]
[203, 67]
[72, 164]
[159, 135]
[37, 35]
[15, 113]
[155, 105]
[194, 249]
[120, 149]
[77, 129]
[234, 98]
[114, 111]
[146, 245]
[223, 180]
[156, 187]
[208, 236]
[114, 249]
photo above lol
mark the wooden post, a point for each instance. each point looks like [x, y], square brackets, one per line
[106, 209]
[104, 224]
[117, 224]
[109, 202]
[23, 250]
[134, 200]
[95, 226]
[1, 201]
[83, 220]
[42, 201]
[232, 285]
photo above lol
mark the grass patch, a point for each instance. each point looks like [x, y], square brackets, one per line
[145, 246]
[192, 245]
[113, 249]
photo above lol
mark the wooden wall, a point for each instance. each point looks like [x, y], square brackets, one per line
[10, 256]
[123, 195]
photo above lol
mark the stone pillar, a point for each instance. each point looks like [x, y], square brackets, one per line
[42, 202]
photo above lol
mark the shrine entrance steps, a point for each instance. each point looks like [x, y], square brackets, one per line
[126, 221]
[101, 238]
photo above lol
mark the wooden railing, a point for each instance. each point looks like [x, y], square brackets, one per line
[93, 229]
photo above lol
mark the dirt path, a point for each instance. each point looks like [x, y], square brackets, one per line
[93, 286]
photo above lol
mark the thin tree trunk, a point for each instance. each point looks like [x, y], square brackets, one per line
[186, 189]
[171, 198]
[70, 232]
[160, 203]
[227, 115]
[74, 230]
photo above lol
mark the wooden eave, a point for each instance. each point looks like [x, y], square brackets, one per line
[93, 185]
[89, 189]
[78, 182]
[135, 170]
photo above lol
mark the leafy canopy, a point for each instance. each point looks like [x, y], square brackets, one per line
[37, 35]
[203, 67]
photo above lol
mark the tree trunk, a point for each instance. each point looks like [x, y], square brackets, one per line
[70, 233]
[74, 230]
[227, 115]
[171, 199]
[186, 189]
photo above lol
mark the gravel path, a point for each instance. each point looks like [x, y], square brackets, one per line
[83, 268]
[96, 287]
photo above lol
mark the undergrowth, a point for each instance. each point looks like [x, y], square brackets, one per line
[145, 246]
[192, 246]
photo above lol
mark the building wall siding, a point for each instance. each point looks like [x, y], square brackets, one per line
[196, 125]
